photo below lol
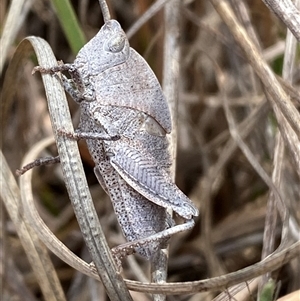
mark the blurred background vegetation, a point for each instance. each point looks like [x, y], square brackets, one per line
[211, 169]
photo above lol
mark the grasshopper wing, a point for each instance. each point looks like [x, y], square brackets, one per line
[141, 171]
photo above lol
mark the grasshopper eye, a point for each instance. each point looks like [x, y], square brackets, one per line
[116, 43]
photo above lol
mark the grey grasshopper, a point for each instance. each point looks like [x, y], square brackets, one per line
[125, 120]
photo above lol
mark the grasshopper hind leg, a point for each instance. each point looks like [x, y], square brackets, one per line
[158, 239]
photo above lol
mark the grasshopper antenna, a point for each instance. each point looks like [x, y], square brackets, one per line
[105, 10]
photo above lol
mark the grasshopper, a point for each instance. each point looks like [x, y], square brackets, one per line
[125, 120]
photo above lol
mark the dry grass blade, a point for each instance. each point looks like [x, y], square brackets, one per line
[35, 250]
[171, 71]
[271, 215]
[288, 13]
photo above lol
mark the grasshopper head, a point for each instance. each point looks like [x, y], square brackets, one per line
[110, 47]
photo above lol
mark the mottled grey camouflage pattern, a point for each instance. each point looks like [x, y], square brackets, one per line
[120, 96]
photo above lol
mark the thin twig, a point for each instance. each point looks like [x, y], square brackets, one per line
[156, 6]
[170, 88]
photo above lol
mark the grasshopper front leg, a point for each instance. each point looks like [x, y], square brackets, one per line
[75, 87]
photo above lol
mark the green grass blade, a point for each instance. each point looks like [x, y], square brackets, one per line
[70, 24]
